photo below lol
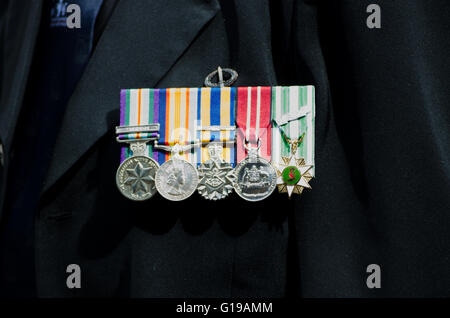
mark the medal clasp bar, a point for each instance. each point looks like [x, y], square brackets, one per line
[137, 129]
[216, 128]
[137, 145]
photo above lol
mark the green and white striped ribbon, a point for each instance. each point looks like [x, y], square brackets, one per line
[293, 111]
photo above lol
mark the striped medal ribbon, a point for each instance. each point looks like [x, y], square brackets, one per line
[253, 120]
[255, 175]
[217, 134]
[216, 118]
[293, 113]
[293, 137]
[138, 109]
[135, 177]
[185, 116]
[194, 116]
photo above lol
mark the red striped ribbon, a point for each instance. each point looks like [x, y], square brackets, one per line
[253, 120]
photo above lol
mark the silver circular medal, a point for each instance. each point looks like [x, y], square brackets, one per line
[256, 178]
[135, 177]
[176, 179]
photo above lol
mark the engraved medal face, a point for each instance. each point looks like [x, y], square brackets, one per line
[216, 175]
[256, 179]
[135, 178]
[176, 179]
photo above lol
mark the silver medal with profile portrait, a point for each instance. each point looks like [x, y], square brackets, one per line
[177, 178]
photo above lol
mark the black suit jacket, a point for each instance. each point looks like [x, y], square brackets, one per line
[381, 192]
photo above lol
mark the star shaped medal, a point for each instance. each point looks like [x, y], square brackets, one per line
[216, 175]
[135, 176]
[139, 178]
[293, 175]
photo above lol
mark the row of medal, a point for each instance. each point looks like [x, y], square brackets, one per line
[254, 178]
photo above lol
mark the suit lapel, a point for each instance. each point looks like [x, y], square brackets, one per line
[21, 29]
[141, 42]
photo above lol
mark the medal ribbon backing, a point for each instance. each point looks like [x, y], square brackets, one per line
[253, 120]
[178, 119]
[185, 115]
[293, 112]
[188, 115]
[216, 117]
[136, 109]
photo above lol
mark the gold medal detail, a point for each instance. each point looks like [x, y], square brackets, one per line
[293, 174]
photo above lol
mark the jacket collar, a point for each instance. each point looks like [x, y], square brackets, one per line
[142, 40]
